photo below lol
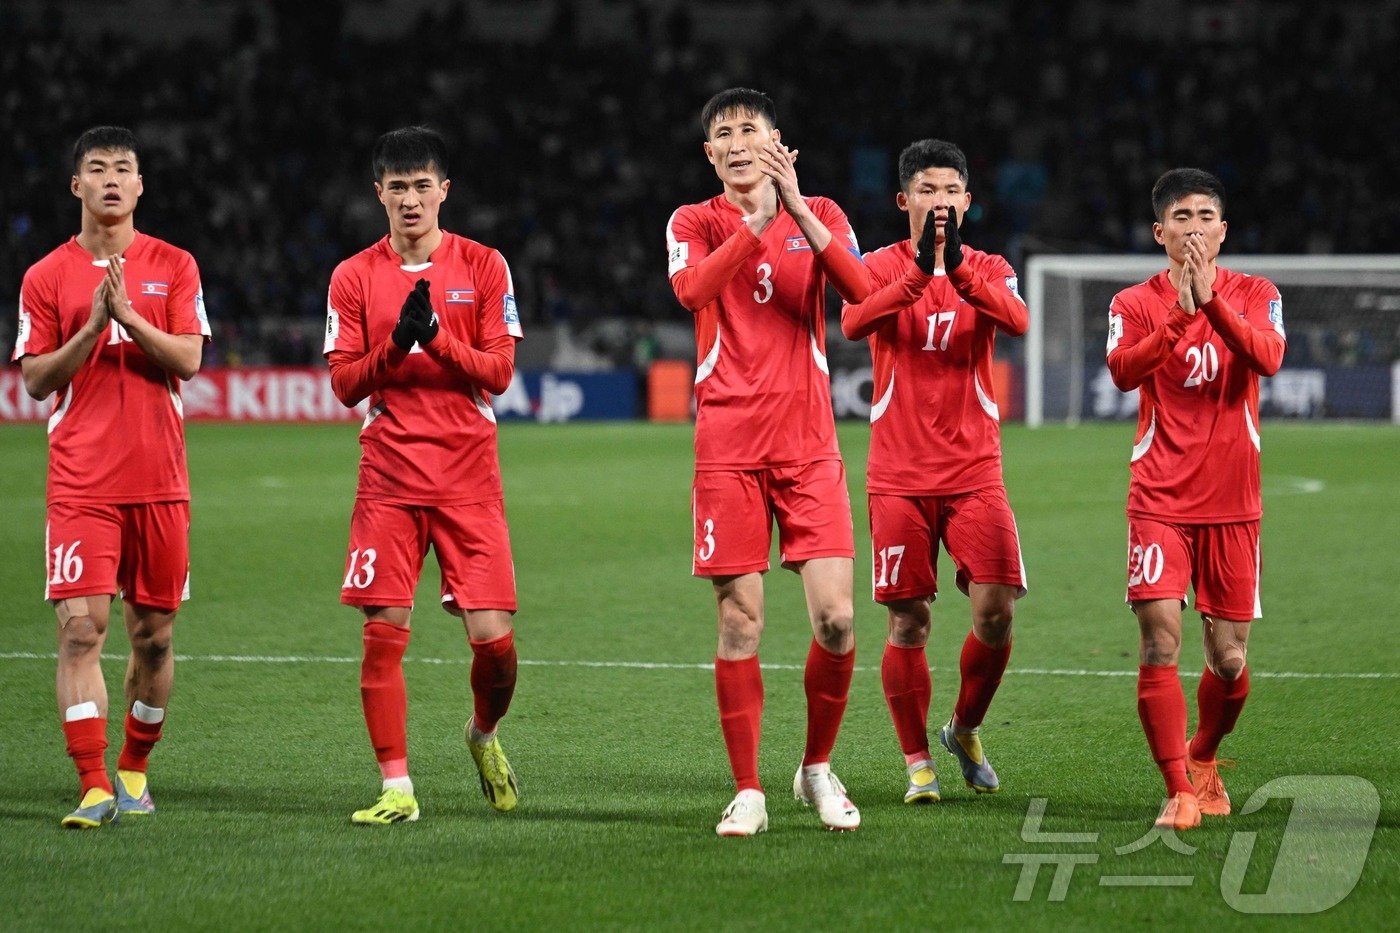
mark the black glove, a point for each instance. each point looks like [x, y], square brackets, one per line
[952, 242]
[405, 333]
[424, 318]
[923, 256]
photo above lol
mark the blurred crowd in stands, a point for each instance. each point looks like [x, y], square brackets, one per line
[570, 155]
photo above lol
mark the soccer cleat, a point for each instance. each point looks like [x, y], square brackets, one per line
[816, 786]
[498, 782]
[967, 748]
[97, 807]
[133, 794]
[923, 783]
[393, 806]
[1210, 790]
[746, 815]
[1180, 812]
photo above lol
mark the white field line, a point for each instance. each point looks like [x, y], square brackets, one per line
[671, 666]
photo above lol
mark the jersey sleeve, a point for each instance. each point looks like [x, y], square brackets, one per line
[1135, 349]
[357, 371]
[892, 294]
[185, 312]
[344, 313]
[37, 332]
[1255, 333]
[990, 292]
[698, 275]
[841, 260]
[491, 363]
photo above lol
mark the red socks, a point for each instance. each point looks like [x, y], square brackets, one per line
[981, 667]
[1162, 709]
[141, 737]
[908, 688]
[383, 695]
[493, 680]
[1218, 705]
[828, 683]
[739, 688]
[87, 746]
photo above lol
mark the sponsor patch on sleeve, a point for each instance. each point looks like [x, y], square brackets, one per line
[1276, 314]
[200, 313]
[512, 316]
[22, 335]
[680, 254]
[332, 328]
[1115, 330]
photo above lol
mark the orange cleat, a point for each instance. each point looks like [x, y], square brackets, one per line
[1181, 812]
[1210, 791]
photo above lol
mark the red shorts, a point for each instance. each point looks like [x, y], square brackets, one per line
[734, 512]
[977, 529]
[388, 542]
[1221, 562]
[141, 550]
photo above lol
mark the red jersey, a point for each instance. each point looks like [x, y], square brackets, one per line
[1196, 455]
[117, 433]
[935, 425]
[762, 387]
[430, 436]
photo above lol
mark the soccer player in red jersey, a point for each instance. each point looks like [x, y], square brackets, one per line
[1194, 340]
[752, 265]
[424, 324]
[935, 457]
[111, 321]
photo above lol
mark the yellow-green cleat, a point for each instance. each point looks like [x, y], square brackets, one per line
[498, 782]
[133, 794]
[923, 783]
[393, 806]
[97, 807]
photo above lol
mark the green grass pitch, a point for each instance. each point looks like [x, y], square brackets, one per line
[621, 764]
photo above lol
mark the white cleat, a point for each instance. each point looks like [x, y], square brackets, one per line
[816, 786]
[746, 815]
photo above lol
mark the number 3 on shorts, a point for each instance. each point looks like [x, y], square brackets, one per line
[360, 572]
[707, 543]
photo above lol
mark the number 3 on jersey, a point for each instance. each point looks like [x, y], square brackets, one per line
[764, 293]
[360, 571]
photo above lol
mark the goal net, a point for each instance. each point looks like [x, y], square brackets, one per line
[1342, 314]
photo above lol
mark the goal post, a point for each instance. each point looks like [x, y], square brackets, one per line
[1342, 314]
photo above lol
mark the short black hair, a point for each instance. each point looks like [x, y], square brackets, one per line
[104, 139]
[409, 149]
[1180, 182]
[930, 153]
[740, 99]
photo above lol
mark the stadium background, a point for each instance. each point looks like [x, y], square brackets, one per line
[575, 136]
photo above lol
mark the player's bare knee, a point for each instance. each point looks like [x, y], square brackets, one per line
[1160, 646]
[832, 625]
[910, 624]
[993, 628]
[82, 627]
[739, 624]
[1229, 665]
